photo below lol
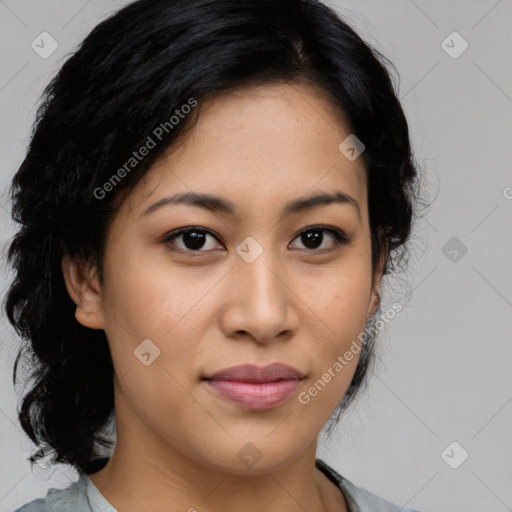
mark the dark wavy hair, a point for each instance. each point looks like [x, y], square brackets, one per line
[129, 76]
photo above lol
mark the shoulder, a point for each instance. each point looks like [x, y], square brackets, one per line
[72, 497]
[367, 501]
[38, 505]
[358, 498]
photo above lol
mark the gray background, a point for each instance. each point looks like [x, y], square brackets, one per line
[444, 372]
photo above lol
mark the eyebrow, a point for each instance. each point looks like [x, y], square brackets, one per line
[218, 205]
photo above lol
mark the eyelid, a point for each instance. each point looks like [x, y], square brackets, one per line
[177, 232]
[340, 238]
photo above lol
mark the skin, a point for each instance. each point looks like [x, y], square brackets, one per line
[177, 441]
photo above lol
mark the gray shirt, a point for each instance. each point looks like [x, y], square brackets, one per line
[83, 496]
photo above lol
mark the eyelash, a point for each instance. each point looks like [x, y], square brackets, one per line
[340, 239]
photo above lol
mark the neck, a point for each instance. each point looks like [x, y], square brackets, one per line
[147, 472]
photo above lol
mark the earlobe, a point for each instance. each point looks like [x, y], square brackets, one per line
[374, 303]
[376, 292]
[83, 286]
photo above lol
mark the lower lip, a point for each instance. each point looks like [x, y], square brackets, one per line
[255, 396]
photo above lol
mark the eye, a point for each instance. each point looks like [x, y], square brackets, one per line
[196, 239]
[313, 238]
[192, 239]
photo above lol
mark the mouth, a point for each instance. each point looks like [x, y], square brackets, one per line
[255, 388]
[257, 374]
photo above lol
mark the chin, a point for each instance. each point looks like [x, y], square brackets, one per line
[245, 457]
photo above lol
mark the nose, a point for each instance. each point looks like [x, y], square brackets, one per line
[259, 302]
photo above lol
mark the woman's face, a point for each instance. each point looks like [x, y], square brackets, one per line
[257, 278]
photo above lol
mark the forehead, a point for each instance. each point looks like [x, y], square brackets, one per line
[271, 141]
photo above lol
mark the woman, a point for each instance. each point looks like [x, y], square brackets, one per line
[212, 195]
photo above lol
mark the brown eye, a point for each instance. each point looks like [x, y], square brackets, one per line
[192, 239]
[313, 238]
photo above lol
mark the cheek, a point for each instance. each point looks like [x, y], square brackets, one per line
[171, 307]
[339, 305]
[153, 300]
[339, 298]
[153, 325]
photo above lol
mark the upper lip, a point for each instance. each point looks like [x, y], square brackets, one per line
[253, 373]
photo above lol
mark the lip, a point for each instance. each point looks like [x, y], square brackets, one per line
[256, 388]
[258, 374]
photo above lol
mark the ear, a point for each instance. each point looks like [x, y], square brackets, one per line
[83, 286]
[375, 299]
